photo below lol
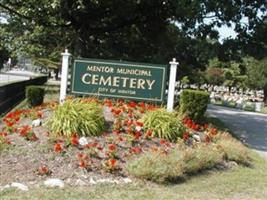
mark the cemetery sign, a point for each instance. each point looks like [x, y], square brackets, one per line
[118, 79]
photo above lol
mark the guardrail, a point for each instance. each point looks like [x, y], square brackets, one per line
[11, 94]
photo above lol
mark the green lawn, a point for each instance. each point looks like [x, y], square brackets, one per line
[238, 183]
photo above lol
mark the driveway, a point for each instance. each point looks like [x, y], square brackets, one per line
[250, 127]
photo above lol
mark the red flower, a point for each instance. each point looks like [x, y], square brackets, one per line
[213, 131]
[112, 147]
[43, 170]
[82, 164]
[142, 104]
[112, 162]
[148, 134]
[4, 134]
[132, 104]
[137, 135]
[136, 150]
[205, 126]
[162, 141]
[139, 123]
[58, 148]
[185, 136]
[39, 114]
[74, 140]
[24, 130]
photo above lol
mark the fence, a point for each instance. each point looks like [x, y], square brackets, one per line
[11, 94]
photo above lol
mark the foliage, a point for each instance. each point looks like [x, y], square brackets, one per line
[214, 75]
[35, 95]
[193, 103]
[201, 157]
[156, 166]
[232, 149]
[161, 167]
[126, 31]
[163, 124]
[75, 116]
[257, 74]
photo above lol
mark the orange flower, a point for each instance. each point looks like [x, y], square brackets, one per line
[83, 164]
[112, 147]
[39, 114]
[185, 136]
[58, 148]
[43, 170]
[148, 134]
[112, 162]
[136, 150]
[74, 140]
[139, 123]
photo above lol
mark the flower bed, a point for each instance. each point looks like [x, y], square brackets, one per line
[32, 153]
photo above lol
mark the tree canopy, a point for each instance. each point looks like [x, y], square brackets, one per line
[143, 30]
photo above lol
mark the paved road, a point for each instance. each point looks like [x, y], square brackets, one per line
[248, 126]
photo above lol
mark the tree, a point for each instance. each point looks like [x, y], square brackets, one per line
[140, 30]
[257, 74]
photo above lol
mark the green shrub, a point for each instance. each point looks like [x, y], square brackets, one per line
[194, 104]
[163, 124]
[249, 107]
[157, 167]
[201, 157]
[74, 116]
[232, 149]
[34, 95]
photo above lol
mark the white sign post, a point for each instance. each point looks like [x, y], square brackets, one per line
[172, 81]
[64, 75]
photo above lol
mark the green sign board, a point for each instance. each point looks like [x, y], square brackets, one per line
[117, 79]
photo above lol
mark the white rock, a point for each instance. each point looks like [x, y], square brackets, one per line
[92, 181]
[107, 180]
[127, 180]
[36, 122]
[138, 128]
[54, 183]
[83, 141]
[196, 137]
[4, 187]
[20, 186]
[80, 182]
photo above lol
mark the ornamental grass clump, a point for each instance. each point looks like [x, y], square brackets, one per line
[156, 166]
[201, 157]
[232, 149]
[76, 117]
[163, 124]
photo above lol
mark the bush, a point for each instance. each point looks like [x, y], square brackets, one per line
[232, 149]
[201, 157]
[160, 167]
[157, 167]
[163, 124]
[74, 116]
[193, 104]
[34, 95]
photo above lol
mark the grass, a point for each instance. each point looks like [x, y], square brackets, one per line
[238, 183]
[264, 110]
